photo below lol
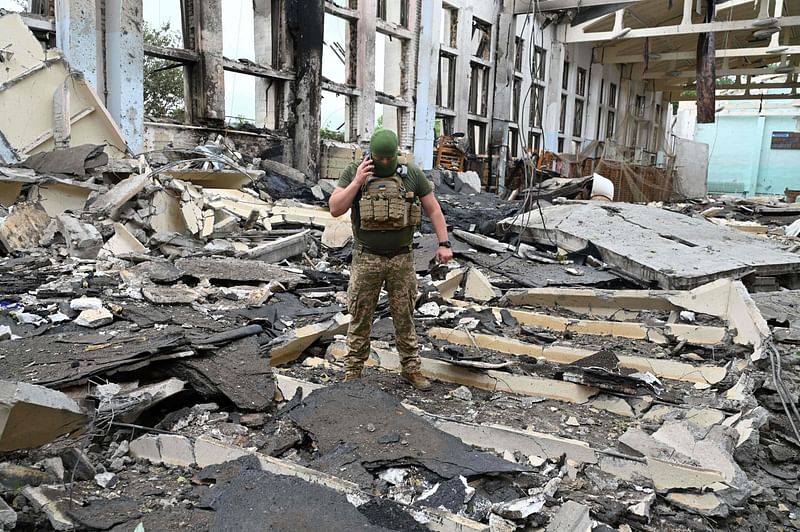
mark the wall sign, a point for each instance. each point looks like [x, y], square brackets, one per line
[785, 140]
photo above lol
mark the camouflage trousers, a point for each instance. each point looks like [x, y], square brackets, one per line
[368, 273]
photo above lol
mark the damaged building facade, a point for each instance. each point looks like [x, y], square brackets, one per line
[611, 347]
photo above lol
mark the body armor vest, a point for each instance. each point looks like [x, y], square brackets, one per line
[386, 205]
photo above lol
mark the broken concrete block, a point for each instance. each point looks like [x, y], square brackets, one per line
[164, 448]
[520, 508]
[77, 465]
[54, 466]
[573, 517]
[55, 414]
[288, 347]
[120, 194]
[478, 288]
[53, 502]
[86, 303]
[123, 242]
[106, 480]
[706, 504]
[237, 270]
[8, 517]
[23, 227]
[612, 404]
[279, 250]
[668, 476]
[146, 447]
[337, 234]
[94, 318]
[170, 295]
[704, 417]
[642, 508]
[5, 332]
[83, 240]
[467, 182]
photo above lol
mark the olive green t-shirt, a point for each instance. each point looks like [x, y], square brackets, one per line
[384, 241]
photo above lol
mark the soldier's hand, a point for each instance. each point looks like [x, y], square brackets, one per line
[364, 171]
[443, 254]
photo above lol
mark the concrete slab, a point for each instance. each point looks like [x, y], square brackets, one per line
[653, 244]
[31, 415]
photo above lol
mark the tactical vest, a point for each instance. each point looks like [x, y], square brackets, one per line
[385, 205]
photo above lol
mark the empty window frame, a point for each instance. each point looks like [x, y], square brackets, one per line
[519, 49]
[611, 113]
[479, 89]
[334, 116]
[565, 76]
[446, 87]
[516, 97]
[577, 119]
[443, 126]
[513, 142]
[165, 86]
[536, 109]
[389, 55]
[477, 136]
[449, 31]
[394, 11]
[562, 120]
[580, 101]
[389, 117]
[601, 109]
[639, 109]
[336, 49]
[481, 39]
[539, 64]
[580, 82]
[537, 106]
[534, 141]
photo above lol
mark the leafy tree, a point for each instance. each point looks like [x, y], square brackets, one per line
[331, 134]
[163, 80]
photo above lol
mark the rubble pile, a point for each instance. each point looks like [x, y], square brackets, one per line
[172, 328]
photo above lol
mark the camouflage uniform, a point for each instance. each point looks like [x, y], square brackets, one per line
[368, 274]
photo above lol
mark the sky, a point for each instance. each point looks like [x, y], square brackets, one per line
[238, 43]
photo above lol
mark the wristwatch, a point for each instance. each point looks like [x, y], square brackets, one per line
[445, 244]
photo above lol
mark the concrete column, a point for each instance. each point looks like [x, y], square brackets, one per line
[77, 37]
[125, 68]
[409, 78]
[503, 93]
[265, 104]
[365, 69]
[305, 21]
[427, 78]
[463, 70]
[208, 80]
[552, 97]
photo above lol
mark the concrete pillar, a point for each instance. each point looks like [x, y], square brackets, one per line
[305, 21]
[125, 68]
[463, 70]
[205, 79]
[265, 104]
[503, 93]
[552, 97]
[427, 78]
[77, 37]
[365, 70]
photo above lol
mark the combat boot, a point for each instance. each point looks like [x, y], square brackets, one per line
[352, 374]
[417, 380]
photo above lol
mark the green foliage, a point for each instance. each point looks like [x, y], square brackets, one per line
[163, 80]
[722, 81]
[379, 123]
[330, 134]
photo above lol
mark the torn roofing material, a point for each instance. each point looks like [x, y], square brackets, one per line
[375, 426]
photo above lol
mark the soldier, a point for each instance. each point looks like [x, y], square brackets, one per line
[386, 198]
